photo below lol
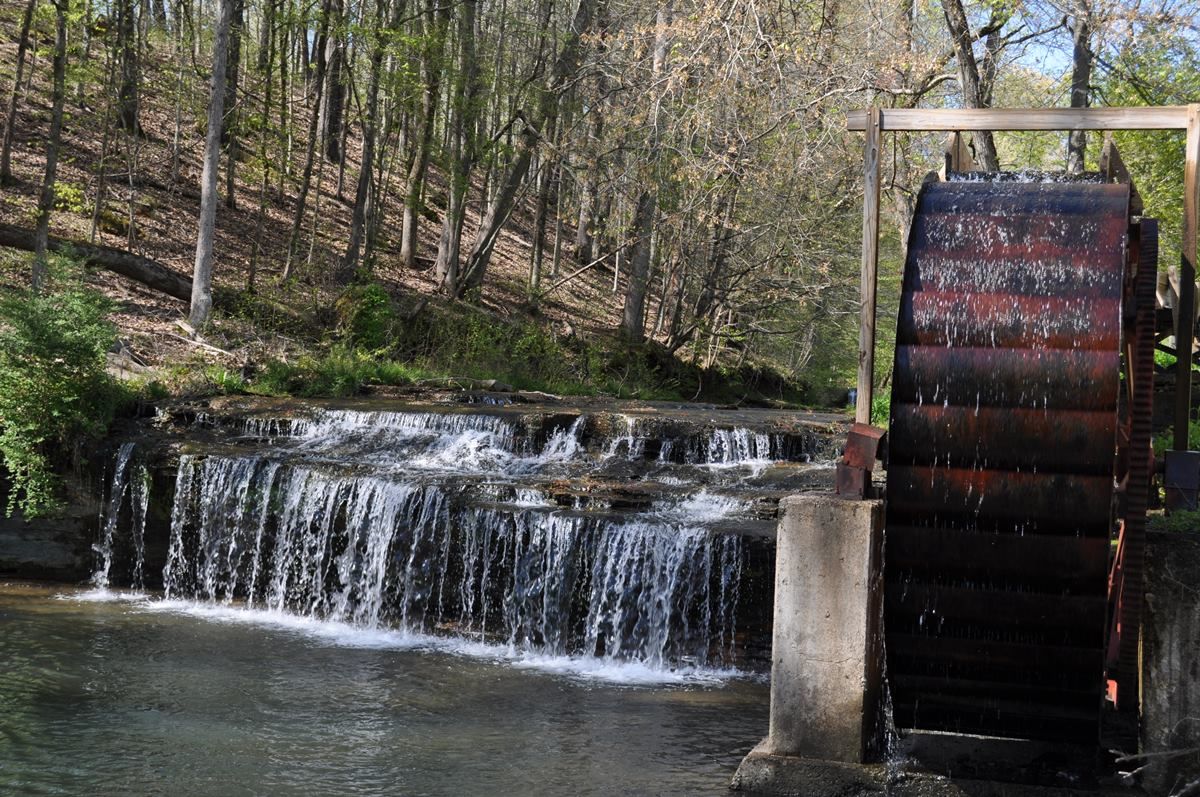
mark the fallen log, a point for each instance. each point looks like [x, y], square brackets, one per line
[142, 269]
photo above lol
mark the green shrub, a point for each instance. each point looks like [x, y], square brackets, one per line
[1166, 440]
[54, 390]
[224, 381]
[365, 316]
[1178, 521]
[881, 406]
[69, 197]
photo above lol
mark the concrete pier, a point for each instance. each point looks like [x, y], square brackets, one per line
[826, 649]
[1170, 727]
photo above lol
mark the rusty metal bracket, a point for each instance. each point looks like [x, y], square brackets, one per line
[864, 445]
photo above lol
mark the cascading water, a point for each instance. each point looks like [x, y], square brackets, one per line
[533, 536]
[129, 480]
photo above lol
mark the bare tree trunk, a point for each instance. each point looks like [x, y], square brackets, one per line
[309, 158]
[101, 164]
[264, 63]
[230, 121]
[285, 99]
[1081, 76]
[587, 202]
[366, 169]
[46, 200]
[566, 64]
[463, 132]
[202, 272]
[179, 72]
[968, 77]
[435, 25]
[127, 92]
[546, 185]
[586, 224]
[335, 87]
[633, 316]
[11, 123]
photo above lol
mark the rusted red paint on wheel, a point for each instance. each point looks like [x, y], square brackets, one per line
[1001, 448]
[1004, 438]
[991, 320]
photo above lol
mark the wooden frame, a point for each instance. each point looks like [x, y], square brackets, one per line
[875, 121]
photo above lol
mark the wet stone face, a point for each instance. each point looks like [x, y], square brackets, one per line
[634, 537]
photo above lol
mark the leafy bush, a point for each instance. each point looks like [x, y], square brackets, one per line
[1166, 440]
[54, 390]
[222, 380]
[365, 316]
[1178, 521]
[881, 406]
[69, 197]
[460, 341]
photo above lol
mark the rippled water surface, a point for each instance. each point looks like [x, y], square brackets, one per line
[109, 696]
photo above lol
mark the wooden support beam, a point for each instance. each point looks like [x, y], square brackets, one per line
[1114, 171]
[958, 155]
[1169, 117]
[870, 263]
[1185, 321]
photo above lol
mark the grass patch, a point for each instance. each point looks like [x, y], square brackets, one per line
[370, 341]
[366, 338]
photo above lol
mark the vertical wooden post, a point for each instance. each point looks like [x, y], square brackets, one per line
[958, 155]
[1187, 281]
[870, 261]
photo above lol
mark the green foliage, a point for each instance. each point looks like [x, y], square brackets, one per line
[444, 343]
[1159, 66]
[1167, 361]
[224, 381]
[1166, 440]
[881, 407]
[54, 390]
[1179, 521]
[365, 316]
[343, 371]
[69, 197]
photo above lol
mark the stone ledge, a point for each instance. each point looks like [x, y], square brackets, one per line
[767, 773]
[763, 773]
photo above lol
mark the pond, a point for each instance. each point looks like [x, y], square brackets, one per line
[112, 693]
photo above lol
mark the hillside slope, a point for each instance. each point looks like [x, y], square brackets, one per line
[151, 209]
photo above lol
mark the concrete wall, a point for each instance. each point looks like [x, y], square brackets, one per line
[1171, 663]
[826, 646]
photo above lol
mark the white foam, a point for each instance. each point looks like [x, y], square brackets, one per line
[634, 673]
[336, 634]
[347, 635]
[103, 595]
[701, 507]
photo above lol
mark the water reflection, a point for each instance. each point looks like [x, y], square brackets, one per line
[114, 697]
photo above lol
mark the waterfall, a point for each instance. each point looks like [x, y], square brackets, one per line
[631, 445]
[383, 552]
[123, 485]
[553, 533]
